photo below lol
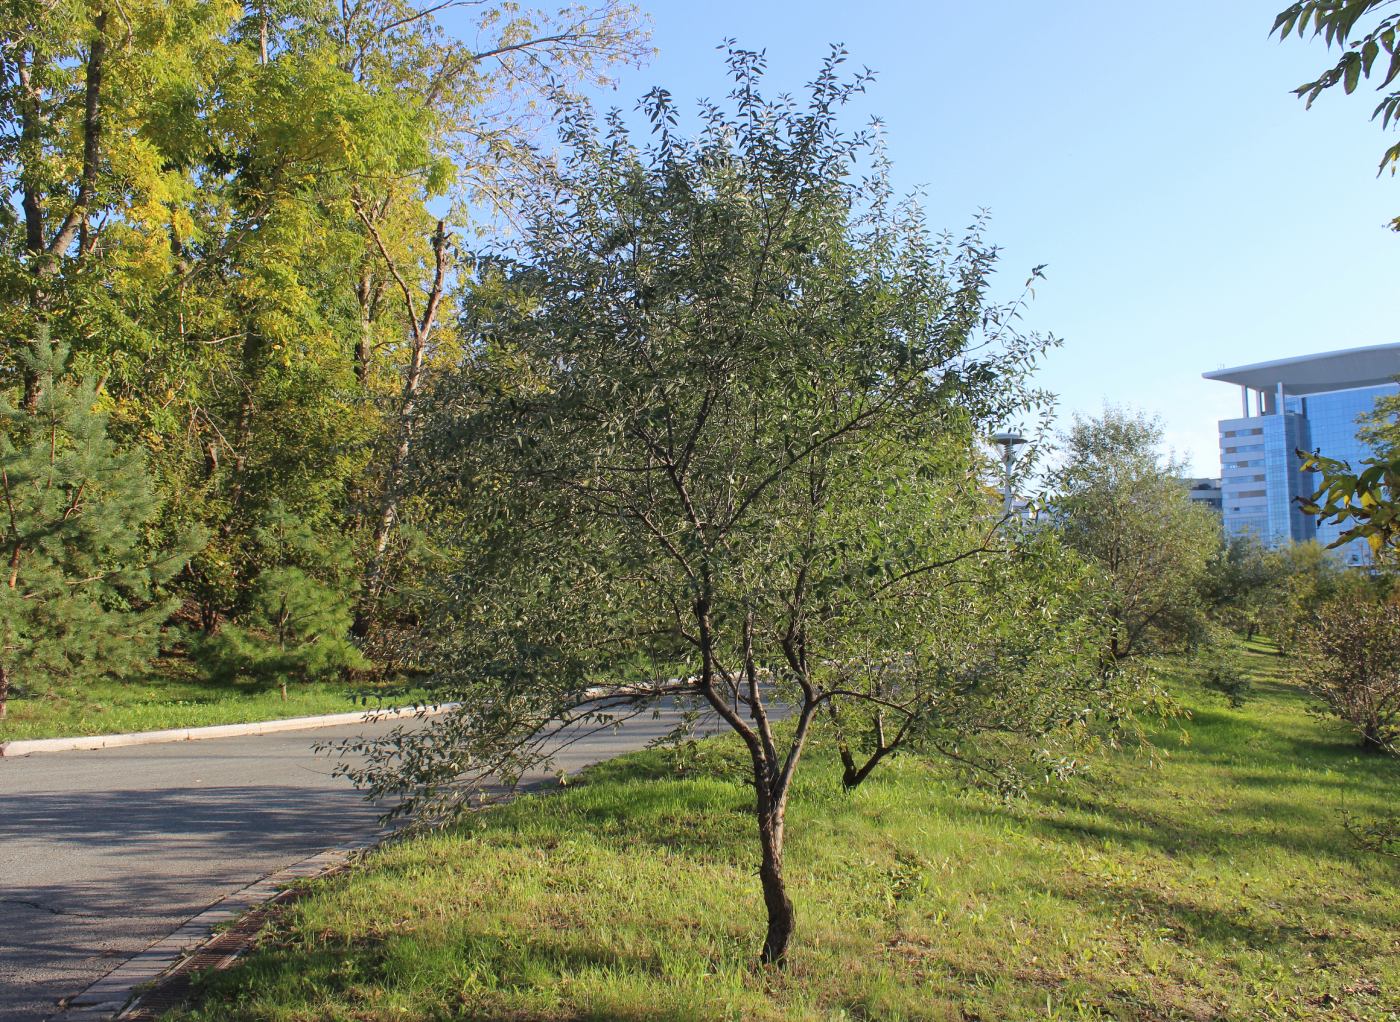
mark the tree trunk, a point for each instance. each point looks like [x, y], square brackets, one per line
[1371, 736]
[243, 425]
[4, 691]
[772, 774]
[45, 253]
[366, 297]
[32, 202]
[421, 326]
[781, 917]
[92, 131]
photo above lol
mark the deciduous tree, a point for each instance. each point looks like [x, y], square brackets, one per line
[1121, 504]
[1241, 582]
[1366, 36]
[1350, 659]
[719, 443]
[224, 212]
[1366, 497]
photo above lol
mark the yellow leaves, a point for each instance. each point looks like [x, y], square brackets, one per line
[182, 225]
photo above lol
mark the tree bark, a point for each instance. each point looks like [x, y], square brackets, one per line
[1371, 737]
[782, 918]
[772, 775]
[92, 130]
[45, 253]
[367, 297]
[243, 427]
[30, 153]
[32, 202]
[4, 691]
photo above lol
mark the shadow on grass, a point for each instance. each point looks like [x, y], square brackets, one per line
[1218, 798]
[700, 818]
[1313, 831]
[1223, 929]
[470, 974]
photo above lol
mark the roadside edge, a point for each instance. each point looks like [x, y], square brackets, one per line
[112, 994]
[30, 746]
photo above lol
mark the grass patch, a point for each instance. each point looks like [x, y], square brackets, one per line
[178, 696]
[1213, 882]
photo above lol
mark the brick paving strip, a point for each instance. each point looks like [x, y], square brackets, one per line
[158, 978]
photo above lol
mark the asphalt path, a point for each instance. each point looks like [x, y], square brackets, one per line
[104, 852]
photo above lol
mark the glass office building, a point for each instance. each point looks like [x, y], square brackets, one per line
[1308, 403]
[1205, 492]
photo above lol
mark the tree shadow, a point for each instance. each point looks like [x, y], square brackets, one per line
[1264, 781]
[683, 816]
[487, 968]
[140, 821]
[1189, 922]
[1249, 822]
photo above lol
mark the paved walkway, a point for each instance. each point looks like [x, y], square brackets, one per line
[104, 852]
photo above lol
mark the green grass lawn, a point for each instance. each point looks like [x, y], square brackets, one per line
[1214, 883]
[177, 697]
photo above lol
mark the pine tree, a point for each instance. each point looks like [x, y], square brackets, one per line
[81, 576]
[297, 626]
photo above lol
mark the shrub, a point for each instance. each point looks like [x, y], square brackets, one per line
[1350, 659]
[1379, 834]
[297, 627]
[1220, 666]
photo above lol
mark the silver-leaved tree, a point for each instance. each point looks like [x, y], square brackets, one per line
[719, 440]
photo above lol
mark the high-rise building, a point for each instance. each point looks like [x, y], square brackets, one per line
[1308, 403]
[1205, 492]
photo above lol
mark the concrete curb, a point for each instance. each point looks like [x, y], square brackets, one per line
[28, 747]
[109, 996]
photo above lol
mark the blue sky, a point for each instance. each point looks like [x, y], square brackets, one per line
[1191, 213]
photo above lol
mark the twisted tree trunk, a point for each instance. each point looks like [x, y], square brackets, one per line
[782, 918]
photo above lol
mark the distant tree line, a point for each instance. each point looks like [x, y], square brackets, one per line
[244, 230]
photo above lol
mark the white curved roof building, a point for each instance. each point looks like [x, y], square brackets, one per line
[1310, 403]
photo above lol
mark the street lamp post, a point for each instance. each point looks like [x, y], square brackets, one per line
[1007, 442]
